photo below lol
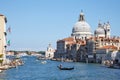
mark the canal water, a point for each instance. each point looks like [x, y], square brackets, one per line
[33, 69]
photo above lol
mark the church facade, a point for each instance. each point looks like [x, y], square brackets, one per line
[49, 53]
[85, 46]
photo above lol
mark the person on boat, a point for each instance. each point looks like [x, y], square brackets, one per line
[60, 65]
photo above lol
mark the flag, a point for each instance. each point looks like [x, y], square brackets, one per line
[9, 29]
[8, 42]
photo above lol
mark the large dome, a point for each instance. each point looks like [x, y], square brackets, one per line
[81, 27]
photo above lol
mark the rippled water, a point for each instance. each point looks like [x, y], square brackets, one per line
[34, 70]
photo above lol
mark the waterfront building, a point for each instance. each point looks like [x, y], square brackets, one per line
[62, 47]
[3, 21]
[83, 46]
[49, 54]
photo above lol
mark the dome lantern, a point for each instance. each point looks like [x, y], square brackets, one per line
[81, 16]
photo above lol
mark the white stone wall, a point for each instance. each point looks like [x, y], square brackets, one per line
[115, 55]
[2, 36]
[49, 55]
[81, 35]
[99, 35]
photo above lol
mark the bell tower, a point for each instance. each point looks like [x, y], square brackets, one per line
[107, 29]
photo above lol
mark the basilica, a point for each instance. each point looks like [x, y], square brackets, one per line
[85, 46]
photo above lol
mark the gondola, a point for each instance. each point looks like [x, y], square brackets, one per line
[65, 68]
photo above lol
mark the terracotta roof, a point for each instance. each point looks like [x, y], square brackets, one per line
[107, 39]
[83, 43]
[101, 37]
[109, 47]
[68, 39]
[71, 43]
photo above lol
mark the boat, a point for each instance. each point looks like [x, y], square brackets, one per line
[65, 68]
[41, 58]
[114, 67]
[43, 62]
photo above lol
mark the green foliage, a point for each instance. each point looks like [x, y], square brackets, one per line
[1, 61]
[1, 55]
[118, 50]
[28, 52]
[42, 52]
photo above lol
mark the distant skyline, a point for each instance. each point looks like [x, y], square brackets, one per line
[36, 23]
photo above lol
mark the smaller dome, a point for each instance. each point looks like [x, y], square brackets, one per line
[99, 31]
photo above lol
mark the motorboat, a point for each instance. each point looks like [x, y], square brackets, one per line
[43, 62]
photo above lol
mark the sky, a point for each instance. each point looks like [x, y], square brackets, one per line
[36, 23]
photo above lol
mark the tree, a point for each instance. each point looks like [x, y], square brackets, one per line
[1, 59]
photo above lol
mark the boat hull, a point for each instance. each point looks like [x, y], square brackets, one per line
[65, 68]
